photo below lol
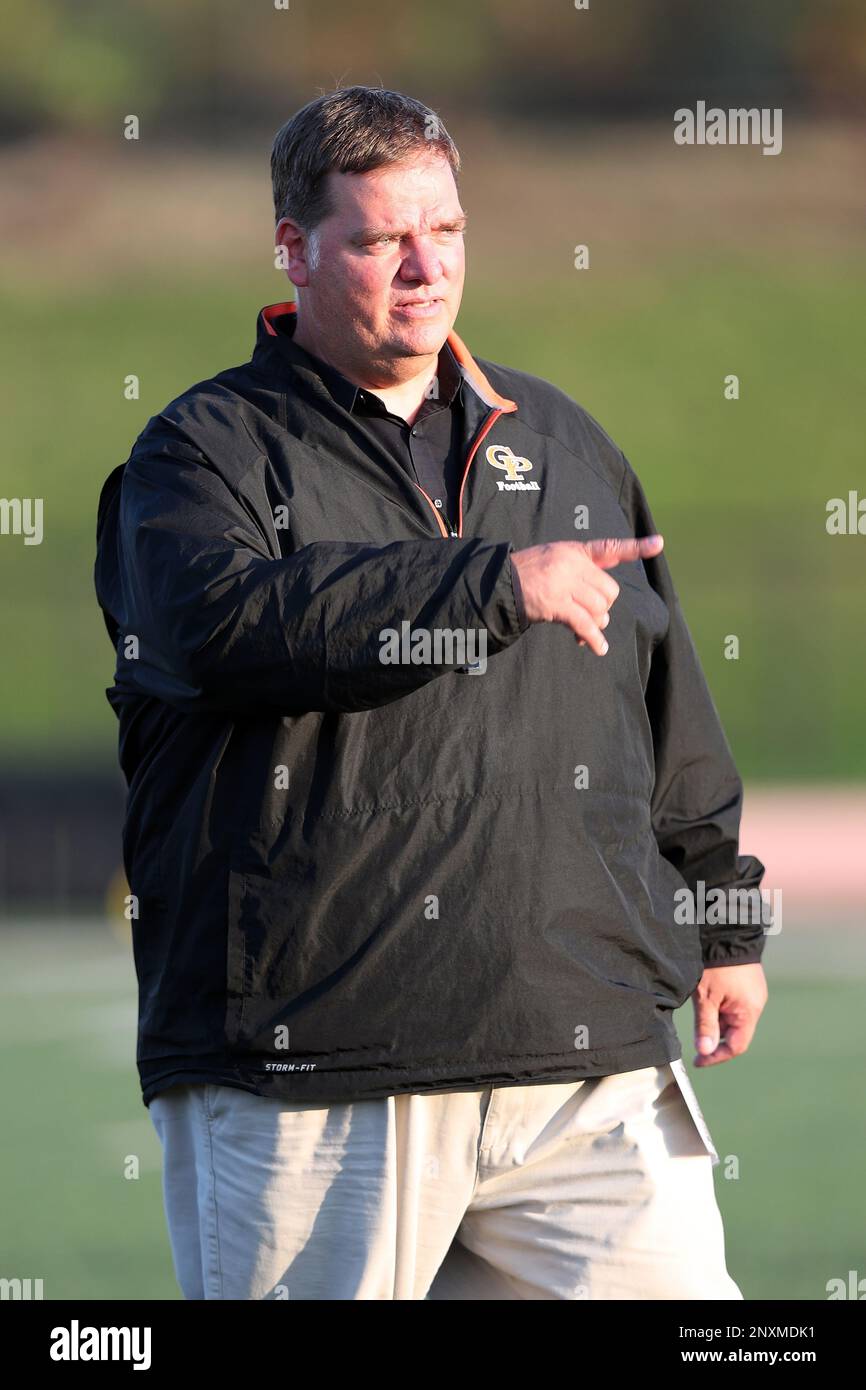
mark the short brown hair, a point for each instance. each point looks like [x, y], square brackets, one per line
[351, 131]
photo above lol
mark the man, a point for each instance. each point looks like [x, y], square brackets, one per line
[415, 778]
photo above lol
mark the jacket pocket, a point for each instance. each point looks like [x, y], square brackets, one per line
[259, 956]
[142, 866]
[305, 938]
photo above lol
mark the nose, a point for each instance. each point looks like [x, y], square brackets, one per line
[421, 262]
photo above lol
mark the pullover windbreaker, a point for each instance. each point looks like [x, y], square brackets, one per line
[382, 834]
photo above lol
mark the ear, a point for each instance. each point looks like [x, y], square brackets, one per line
[292, 239]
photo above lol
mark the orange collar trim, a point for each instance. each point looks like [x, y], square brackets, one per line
[466, 362]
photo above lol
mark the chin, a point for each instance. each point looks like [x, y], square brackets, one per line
[426, 337]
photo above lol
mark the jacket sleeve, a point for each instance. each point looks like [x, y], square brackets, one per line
[225, 623]
[698, 795]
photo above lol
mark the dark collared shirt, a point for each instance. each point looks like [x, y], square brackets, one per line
[431, 448]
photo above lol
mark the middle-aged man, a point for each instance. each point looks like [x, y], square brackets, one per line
[421, 767]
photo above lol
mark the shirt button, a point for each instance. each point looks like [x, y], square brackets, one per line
[437, 502]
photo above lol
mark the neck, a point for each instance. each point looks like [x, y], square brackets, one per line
[406, 399]
[403, 398]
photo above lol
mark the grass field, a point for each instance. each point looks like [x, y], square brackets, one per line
[790, 1110]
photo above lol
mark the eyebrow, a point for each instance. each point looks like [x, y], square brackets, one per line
[368, 234]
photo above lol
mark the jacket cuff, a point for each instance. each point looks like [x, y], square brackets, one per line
[519, 602]
[740, 948]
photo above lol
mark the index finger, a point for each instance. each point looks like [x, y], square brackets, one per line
[609, 553]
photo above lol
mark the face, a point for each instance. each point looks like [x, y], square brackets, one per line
[388, 278]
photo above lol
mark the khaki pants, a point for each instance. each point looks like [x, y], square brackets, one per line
[595, 1189]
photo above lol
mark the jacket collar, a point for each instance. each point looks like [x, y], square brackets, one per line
[467, 366]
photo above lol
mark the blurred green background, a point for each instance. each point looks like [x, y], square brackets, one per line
[152, 257]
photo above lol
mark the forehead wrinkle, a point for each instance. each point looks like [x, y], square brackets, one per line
[427, 222]
[418, 193]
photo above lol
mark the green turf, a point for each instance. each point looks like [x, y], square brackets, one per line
[790, 1111]
[739, 488]
[70, 1215]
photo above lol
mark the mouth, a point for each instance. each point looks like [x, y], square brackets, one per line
[418, 308]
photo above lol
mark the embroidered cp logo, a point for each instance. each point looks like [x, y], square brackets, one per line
[500, 456]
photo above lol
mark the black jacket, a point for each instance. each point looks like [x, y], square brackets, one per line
[353, 877]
